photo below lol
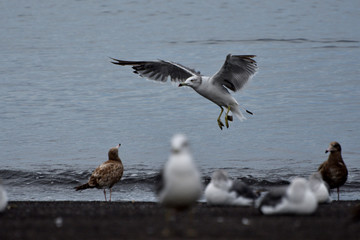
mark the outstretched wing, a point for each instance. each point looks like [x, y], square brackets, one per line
[235, 72]
[159, 70]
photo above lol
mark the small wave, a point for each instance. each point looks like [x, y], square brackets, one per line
[134, 177]
[333, 46]
[288, 40]
[21, 177]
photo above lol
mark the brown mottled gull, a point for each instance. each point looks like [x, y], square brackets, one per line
[107, 174]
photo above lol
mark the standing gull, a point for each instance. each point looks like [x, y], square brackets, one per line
[233, 75]
[334, 171]
[180, 185]
[3, 198]
[297, 198]
[223, 191]
[107, 174]
[319, 188]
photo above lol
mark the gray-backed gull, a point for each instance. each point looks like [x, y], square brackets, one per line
[223, 191]
[297, 198]
[233, 75]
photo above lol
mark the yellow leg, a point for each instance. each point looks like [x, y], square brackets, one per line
[218, 120]
[226, 117]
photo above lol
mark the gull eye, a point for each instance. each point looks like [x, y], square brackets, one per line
[192, 80]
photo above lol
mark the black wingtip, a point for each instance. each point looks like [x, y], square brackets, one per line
[113, 60]
[249, 112]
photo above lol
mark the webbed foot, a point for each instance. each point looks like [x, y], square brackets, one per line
[220, 124]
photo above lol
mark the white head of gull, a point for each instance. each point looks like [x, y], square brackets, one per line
[233, 75]
[181, 183]
[223, 191]
[319, 188]
[297, 198]
[3, 198]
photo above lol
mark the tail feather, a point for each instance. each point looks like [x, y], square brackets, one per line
[236, 111]
[82, 187]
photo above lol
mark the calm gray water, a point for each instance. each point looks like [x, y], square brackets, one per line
[63, 104]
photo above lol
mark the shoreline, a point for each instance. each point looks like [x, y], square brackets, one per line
[146, 220]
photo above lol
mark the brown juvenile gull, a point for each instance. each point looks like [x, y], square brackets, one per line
[334, 171]
[233, 75]
[107, 174]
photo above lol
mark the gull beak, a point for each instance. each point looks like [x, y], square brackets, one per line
[182, 84]
[330, 149]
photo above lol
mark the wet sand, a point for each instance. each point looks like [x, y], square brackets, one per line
[144, 220]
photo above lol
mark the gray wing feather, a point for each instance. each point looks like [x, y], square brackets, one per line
[243, 190]
[274, 197]
[159, 70]
[235, 72]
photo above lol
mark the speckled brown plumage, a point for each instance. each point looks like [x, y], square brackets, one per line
[107, 174]
[334, 171]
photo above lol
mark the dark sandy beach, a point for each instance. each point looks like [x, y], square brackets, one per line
[143, 220]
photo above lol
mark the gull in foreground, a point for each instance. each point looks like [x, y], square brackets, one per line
[3, 198]
[107, 174]
[233, 75]
[223, 191]
[319, 188]
[180, 185]
[334, 171]
[297, 198]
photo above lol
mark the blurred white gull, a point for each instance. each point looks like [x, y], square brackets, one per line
[319, 188]
[223, 191]
[180, 185]
[3, 198]
[297, 198]
[233, 75]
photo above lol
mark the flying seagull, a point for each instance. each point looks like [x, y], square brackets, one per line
[233, 75]
[107, 174]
